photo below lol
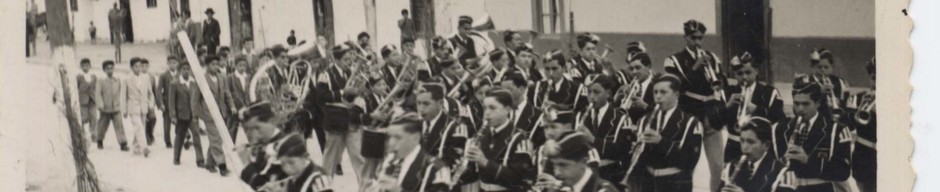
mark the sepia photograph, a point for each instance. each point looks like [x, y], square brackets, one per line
[458, 95]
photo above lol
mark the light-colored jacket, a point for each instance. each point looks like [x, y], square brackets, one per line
[140, 98]
[110, 94]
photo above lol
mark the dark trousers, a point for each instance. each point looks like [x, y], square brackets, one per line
[184, 127]
[681, 182]
[210, 48]
[232, 125]
[150, 122]
[105, 120]
[166, 128]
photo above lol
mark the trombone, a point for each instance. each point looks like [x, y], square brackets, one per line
[712, 75]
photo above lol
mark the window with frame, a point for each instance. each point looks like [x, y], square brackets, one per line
[151, 3]
[547, 14]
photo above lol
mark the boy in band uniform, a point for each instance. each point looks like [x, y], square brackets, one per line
[701, 76]
[671, 140]
[763, 101]
[817, 149]
[757, 169]
[611, 128]
[570, 158]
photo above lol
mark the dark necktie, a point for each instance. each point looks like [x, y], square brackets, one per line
[802, 133]
[394, 168]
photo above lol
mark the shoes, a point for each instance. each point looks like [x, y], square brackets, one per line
[146, 153]
[176, 162]
[339, 170]
[169, 145]
[211, 169]
[187, 144]
[200, 164]
[100, 145]
[124, 147]
[149, 142]
[223, 170]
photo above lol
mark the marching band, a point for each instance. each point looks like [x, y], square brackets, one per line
[511, 119]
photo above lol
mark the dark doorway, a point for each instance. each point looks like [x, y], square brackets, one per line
[746, 27]
[240, 17]
[128, 22]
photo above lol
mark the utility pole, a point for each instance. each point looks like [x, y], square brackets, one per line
[62, 42]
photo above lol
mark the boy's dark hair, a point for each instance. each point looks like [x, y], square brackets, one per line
[407, 40]
[84, 61]
[144, 61]
[107, 63]
[362, 34]
[673, 81]
[182, 64]
[134, 61]
[516, 79]
[404, 11]
[171, 58]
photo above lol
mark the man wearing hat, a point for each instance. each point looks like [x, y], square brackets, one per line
[570, 156]
[669, 139]
[463, 44]
[757, 169]
[748, 99]
[305, 176]
[702, 80]
[267, 141]
[559, 124]
[640, 69]
[586, 63]
[816, 148]
[556, 91]
[611, 127]
[334, 97]
[210, 32]
[863, 118]
[442, 51]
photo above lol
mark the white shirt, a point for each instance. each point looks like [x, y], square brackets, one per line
[428, 124]
[646, 83]
[756, 164]
[583, 181]
[405, 163]
[500, 127]
[88, 76]
[589, 64]
[185, 82]
[599, 114]
[662, 119]
[242, 77]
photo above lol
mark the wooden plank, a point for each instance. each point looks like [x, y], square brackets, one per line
[234, 162]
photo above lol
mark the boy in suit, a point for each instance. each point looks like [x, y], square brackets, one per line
[219, 88]
[408, 167]
[163, 95]
[157, 101]
[111, 94]
[86, 91]
[238, 87]
[139, 102]
[180, 107]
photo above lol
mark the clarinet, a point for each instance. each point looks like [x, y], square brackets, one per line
[464, 163]
[737, 170]
[637, 149]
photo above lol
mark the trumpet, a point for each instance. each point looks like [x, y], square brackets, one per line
[832, 98]
[712, 75]
[628, 92]
[863, 114]
[744, 116]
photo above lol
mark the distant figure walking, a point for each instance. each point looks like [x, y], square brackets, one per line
[116, 22]
[407, 25]
[292, 40]
[92, 31]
